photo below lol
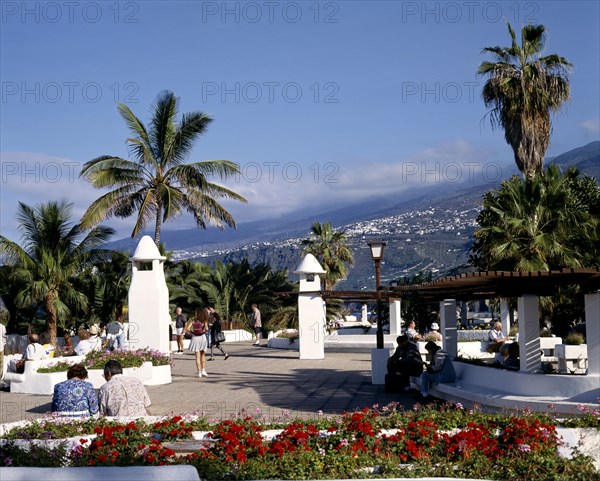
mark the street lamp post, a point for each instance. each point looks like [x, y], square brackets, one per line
[377, 248]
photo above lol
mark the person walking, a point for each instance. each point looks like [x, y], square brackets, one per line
[256, 323]
[179, 326]
[198, 327]
[216, 335]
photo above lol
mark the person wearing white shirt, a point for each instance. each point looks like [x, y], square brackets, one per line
[35, 351]
[88, 341]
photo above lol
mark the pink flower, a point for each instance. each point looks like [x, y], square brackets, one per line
[524, 448]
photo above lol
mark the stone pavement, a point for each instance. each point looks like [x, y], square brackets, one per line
[274, 382]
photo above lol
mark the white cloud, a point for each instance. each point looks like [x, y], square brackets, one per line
[591, 126]
[272, 189]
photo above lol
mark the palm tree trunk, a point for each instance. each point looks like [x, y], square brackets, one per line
[51, 316]
[158, 225]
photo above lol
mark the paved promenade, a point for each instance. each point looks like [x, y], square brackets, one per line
[273, 381]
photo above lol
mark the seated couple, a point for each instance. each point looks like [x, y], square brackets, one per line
[405, 362]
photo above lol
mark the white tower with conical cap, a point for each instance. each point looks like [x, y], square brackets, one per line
[148, 299]
[311, 309]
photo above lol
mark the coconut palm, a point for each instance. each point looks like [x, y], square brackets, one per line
[522, 89]
[53, 253]
[157, 185]
[331, 250]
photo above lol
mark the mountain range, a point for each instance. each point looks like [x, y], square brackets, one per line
[429, 229]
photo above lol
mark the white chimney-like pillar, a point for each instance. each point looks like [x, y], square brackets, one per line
[311, 309]
[149, 317]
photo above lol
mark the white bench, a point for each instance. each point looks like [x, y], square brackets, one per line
[548, 346]
[32, 382]
[475, 350]
[502, 388]
[572, 359]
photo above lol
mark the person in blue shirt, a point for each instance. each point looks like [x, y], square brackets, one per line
[75, 397]
[440, 369]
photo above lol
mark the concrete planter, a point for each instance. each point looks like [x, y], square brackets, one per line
[160, 375]
[143, 373]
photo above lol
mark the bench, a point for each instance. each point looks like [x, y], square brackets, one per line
[502, 388]
[548, 346]
[572, 359]
[475, 350]
[32, 382]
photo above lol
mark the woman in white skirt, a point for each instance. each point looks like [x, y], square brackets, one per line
[198, 327]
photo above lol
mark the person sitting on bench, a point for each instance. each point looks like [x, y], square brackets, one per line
[440, 369]
[405, 362]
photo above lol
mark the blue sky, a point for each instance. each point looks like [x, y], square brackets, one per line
[320, 103]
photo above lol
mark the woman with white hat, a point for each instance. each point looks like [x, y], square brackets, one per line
[89, 340]
[434, 332]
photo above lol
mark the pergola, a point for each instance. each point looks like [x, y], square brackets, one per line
[526, 286]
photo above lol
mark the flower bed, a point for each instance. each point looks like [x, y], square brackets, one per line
[445, 440]
[127, 359]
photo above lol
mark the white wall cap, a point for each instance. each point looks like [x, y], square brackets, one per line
[309, 265]
[146, 250]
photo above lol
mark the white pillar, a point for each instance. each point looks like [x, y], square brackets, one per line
[448, 326]
[311, 309]
[149, 317]
[395, 317]
[505, 316]
[312, 326]
[529, 333]
[379, 359]
[592, 331]
[364, 313]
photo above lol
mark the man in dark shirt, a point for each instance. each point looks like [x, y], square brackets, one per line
[179, 325]
[405, 362]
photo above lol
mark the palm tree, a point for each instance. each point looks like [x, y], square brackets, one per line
[522, 90]
[331, 250]
[539, 224]
[232, 288]
[106, 285]
[50, 258]
[157, 184]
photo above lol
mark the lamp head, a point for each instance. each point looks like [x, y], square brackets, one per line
[377, 248]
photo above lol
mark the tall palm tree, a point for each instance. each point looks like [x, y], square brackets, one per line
[157, 184]
[51, 256]
[331, 250]
[522, 90]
